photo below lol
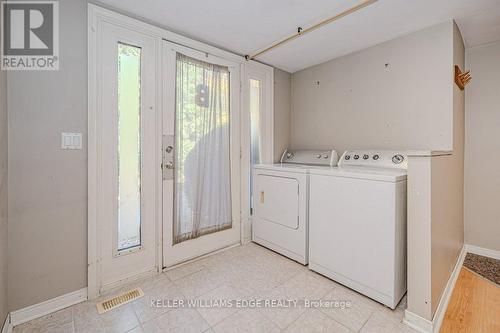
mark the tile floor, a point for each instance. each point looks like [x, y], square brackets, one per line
[246, 272]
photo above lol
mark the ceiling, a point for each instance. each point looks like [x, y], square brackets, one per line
[247, 26]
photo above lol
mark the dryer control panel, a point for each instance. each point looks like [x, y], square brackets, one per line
[375, 158]
[311, 157]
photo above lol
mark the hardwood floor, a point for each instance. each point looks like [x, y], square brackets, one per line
[474, 306]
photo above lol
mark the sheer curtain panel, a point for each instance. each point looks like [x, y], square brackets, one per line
[202, 198]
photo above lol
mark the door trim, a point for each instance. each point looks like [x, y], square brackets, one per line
[96, 16]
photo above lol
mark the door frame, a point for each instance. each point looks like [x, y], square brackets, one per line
[96, 16]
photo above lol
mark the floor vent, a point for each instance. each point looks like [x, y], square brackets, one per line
[119, 300]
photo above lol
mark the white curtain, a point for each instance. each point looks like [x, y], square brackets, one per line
[202, 164]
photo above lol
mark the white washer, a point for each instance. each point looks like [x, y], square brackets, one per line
[357, 223]
[280, 201]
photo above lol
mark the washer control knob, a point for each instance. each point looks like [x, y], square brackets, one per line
[347, 157]
[325, 156]
[376, 157]
[365, 157]
[356, 157]
[289, 155]
[397, 159]
[318, 156]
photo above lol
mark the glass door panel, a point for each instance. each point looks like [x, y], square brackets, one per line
[255, 127]
[129, 147]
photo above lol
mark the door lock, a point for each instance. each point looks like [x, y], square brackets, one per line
[168, 164]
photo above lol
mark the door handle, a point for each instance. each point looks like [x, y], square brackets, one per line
[261, 197]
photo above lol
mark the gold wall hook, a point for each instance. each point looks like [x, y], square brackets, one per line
[462, 79]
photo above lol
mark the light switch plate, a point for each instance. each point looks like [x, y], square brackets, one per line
[71, 141]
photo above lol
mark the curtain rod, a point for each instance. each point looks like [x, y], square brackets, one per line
[301, 31]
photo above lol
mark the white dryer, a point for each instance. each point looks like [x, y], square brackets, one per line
[281, 200]
[357, 223]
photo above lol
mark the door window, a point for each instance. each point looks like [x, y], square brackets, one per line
[129, 147]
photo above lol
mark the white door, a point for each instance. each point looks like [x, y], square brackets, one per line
[125, 128]
[201, 164]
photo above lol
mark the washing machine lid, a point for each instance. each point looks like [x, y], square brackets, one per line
[369, 173]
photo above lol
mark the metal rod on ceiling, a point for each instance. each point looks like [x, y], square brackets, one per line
[301, 32]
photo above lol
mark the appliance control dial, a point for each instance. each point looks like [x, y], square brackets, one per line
[397, 159]
[356, 157]
[376, 157]
[365, 157]
[347, 157]
[289, 155]
[318, 156]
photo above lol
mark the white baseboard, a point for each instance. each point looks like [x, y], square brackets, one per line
[7, 325]
[426, 326]
[246, 236]
[483, 251]
[127, 280]
[417, 323]
[50, 306]
[246, 241]
[448, 290]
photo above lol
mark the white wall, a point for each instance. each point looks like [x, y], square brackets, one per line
[435, 206]
[419, 236]
[3, 196]
[448, 189]
[48, 186]
[482, 148]
[435, 228]
[282, 99]
[357, 102]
